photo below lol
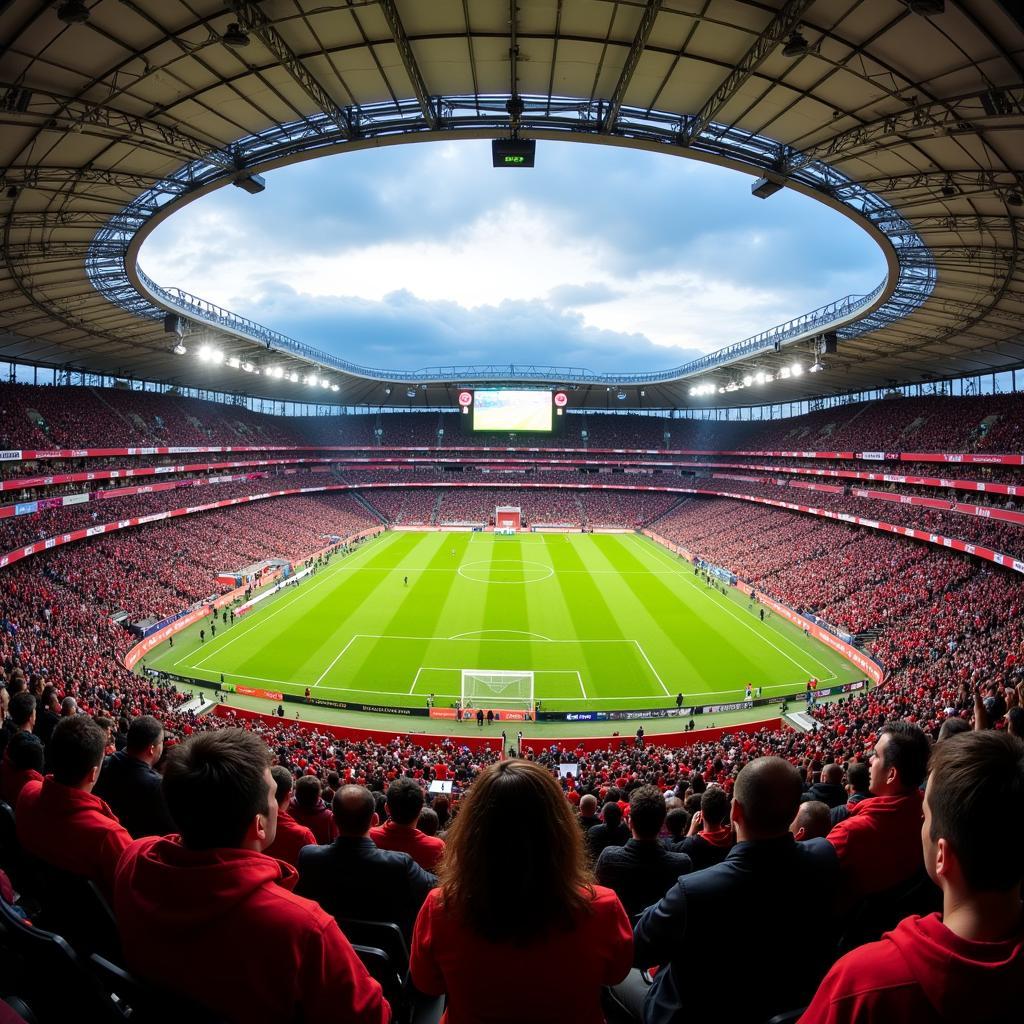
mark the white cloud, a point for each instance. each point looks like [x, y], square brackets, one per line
[616, 268]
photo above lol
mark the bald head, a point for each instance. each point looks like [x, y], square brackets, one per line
[354, 810]
[588, 805]
[767, 793]
[812, 821]
[832, 774]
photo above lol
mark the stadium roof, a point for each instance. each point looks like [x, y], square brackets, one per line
[907, 115]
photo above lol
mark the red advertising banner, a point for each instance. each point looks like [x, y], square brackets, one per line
[252, 691]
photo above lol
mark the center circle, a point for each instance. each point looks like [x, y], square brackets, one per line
[492, 571]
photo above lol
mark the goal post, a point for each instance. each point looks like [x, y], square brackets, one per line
[508, 519]
[497, 690]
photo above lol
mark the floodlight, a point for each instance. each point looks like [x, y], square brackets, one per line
[796, 45]
[759, 378]
[179, 349]
[797, 369]
[277, 372]
[204, 353]
[294, 377]
[747, 381]
[784, 373]
[216, 355]
[234, 362]
[335, 387]
[235, 35]
[73, 12]
[325, 383]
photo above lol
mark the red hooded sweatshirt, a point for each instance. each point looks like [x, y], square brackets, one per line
[922, 972]
[290, 839]
[879, 844]
[223, 928]
[72, 830]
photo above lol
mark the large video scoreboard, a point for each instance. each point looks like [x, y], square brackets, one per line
[512, 410]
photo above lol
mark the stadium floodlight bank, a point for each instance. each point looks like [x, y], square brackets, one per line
[483, 688]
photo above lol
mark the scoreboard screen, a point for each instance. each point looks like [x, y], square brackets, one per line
[512, 410]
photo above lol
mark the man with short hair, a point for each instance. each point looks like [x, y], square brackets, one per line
[830, 789]
[879, 844]
[399, 832]
[354, 878]
[812, 821]
[61, 820]
[308, 808]
[257, 953]
[697, 930]
[967, 963]
[21, 717]
[611, 832]
[712, 843]
[858, 787]
[130, 783]
[643, 870]
[588, 812]
[22, 763]
[291, 836]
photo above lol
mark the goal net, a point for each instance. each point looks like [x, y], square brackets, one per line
[507, 519]
[485, 689]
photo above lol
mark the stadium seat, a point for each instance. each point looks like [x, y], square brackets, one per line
[10, 850]
[15, 1010]
[789, 1017]
[143, 1003]
[883, 911]
[41, 968]
[407, 1005]
[73, 907]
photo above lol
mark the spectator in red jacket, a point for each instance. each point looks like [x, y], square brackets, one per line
[257, 953]
[879, 843]
[710, 837]
[22, 763]
[308, 809]
[399, 832]
[60, 820]
[291, 836]
[516, 899]
[967, 963]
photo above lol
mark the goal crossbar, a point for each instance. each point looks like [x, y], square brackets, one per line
[494, 688]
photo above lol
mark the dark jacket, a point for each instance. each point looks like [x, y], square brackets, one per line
[834, 796]
[842, 812]
[641, 872]
[46, 722]
[738, 916]
[601, 836]
[354, 878]
[132, 789]
[707, 848]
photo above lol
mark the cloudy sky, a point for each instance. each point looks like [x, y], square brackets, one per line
[423, 255]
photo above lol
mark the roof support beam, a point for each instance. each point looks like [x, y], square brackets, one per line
[643, 33]
[954, 116]
[784, 22]
[252, 19]
[412, 69]
[66, 114]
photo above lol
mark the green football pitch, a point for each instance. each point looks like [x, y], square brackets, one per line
[604, 622]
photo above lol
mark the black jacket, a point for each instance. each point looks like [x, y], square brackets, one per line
[834, 796]
[601, 836]
[353, 878]
[133, 791]
[735, 929]
[641, 872]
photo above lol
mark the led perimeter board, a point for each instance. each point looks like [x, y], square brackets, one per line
[511, 410]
